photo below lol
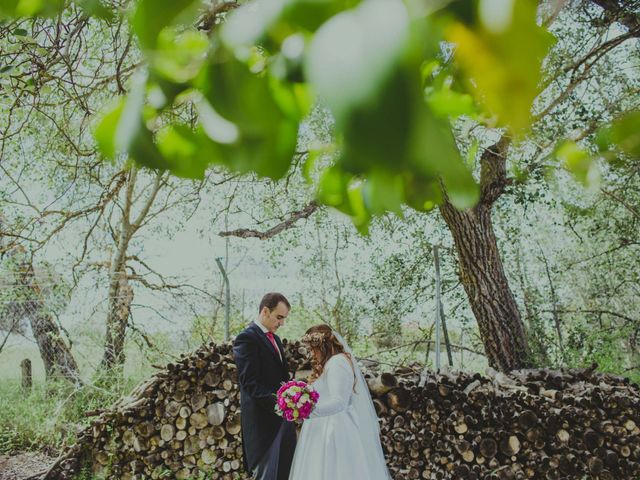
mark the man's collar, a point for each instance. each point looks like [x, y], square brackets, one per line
[260, 325]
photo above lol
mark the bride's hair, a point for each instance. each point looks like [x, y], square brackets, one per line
[320, 338]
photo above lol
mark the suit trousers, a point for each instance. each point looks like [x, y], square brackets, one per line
[276, 463]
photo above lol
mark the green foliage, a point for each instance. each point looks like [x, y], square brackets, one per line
[504, 74]
[579, 162]
[51, 8]
[207, 329]
[50, 416]
[27, 8]
[622, 136]
[85, 474]
[151, 17]
[604, 346]
[618, 143]
[18, 298]
[257, 75]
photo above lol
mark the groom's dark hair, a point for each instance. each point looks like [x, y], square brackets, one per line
[271, 301]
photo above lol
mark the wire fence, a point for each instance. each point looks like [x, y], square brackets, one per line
[106, 321]
[102, 322]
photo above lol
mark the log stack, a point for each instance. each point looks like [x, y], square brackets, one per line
[541, 424]
[538, 424]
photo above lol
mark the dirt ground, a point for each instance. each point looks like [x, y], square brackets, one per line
[23, 465]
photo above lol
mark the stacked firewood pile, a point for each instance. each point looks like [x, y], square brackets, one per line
[185, 421]
[537, 424]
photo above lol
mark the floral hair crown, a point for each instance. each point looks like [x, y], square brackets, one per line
[314, 339]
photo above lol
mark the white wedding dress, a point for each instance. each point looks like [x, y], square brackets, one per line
[340, 440]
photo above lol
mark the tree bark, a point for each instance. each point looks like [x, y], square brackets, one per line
[481, 270]
[120, 298]
[120, 291]
[56, 355]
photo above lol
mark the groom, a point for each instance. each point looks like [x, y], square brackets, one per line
[268, 441]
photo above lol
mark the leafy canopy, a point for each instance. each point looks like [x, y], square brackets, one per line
[393, 74]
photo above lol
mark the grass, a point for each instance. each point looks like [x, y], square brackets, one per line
[51, 414]
[87, 350]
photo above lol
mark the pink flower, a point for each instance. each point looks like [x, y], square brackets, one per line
[295, 400]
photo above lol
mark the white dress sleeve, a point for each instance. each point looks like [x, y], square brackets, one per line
[340, 387]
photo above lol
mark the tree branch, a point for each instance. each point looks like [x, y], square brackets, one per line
[493, 171]
[625, 16]
[622, 202]
[306, 212]
[596, 312]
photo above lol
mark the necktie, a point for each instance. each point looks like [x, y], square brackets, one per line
[273, 342]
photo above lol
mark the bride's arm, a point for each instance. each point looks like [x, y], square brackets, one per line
[340, 385]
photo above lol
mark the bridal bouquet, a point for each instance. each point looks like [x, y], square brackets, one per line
[296, 400]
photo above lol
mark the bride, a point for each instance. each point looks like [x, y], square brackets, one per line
[341, 438]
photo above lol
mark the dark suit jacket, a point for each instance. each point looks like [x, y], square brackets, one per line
[260, 373]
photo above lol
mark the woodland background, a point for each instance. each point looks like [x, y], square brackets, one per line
[108, 268]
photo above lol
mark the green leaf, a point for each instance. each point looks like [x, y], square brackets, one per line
[43, 8]
[401, 147]
[345, 193]
[7, 8]
[446, 103]
[504, 74]
[421, 193]
[294, 100]
[311, 14]
[579, 162]
[332, 188]
[152, 16]
[122, 120]
[105, 132]
[309, 164]
[188, 152]
[466, 11]
[435, 154]
[267, 135]
[359, 214]
[216, 127]
[470, 158]
[179, 56]
[444, 91]
[131, 120]
[623, 134]
[20, 32]
[248, 25]
[163, 92]
[145, 152]
[355, 53]
[121, 129]
[377, 134]
[383, 191]
[96, 9]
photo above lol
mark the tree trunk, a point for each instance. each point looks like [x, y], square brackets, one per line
[56, 355]
[120, 298]
[481, 270]
[120, 292]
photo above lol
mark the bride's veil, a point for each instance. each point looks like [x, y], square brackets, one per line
[369, 429]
